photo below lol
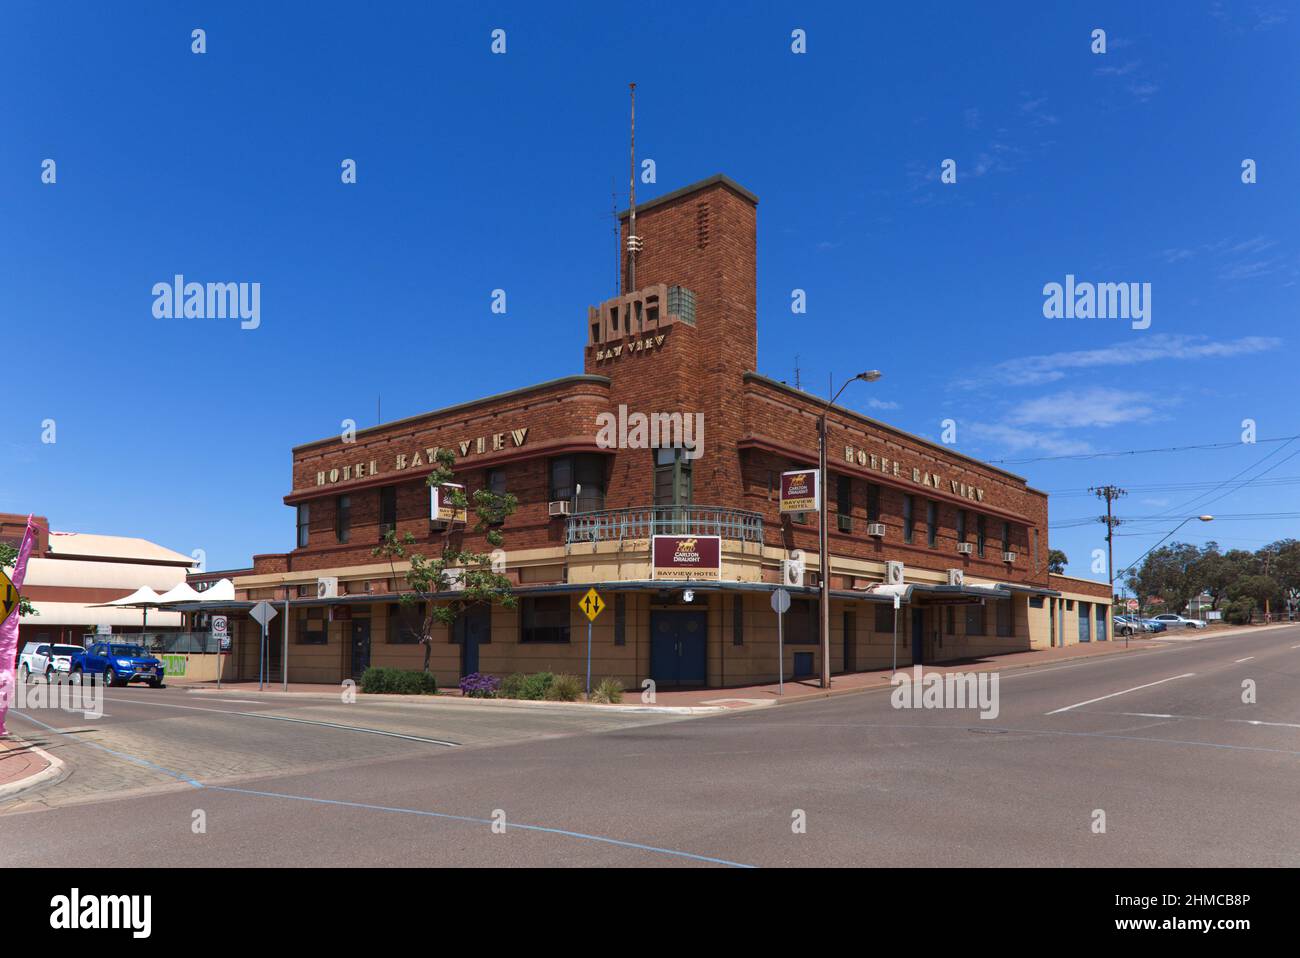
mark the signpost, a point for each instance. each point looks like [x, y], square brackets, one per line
[591, 605]
[896, 604]
[799, 490]
[262, 613]
[780, 605]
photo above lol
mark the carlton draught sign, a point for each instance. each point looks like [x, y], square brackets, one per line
[799, 491]
[441, 508]
[686, 557]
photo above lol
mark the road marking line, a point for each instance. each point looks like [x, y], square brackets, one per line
[1246, 659]
[1274, 724]
[483, 821]
[1147, 714]
[1185, 675]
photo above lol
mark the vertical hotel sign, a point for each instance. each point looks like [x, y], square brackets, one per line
[799, 490]
[686, 557]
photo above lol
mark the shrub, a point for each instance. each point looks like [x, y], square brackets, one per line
[476, 685]
[564, 688]
[512, 686]
[1238, 612]
[398, 681]
[607, 692]
[537, 685]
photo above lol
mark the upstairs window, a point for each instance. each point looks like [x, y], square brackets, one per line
[579, 480]
[844, 502]
[909, 519]
[980, 535]
[674, 481]
[931, 522]
[343, 518]
[873, 502]
[304, 520]
[387, 510]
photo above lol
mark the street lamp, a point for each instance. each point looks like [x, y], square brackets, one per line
[823, 551]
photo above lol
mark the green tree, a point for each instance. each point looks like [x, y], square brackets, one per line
[469, 576]
[1261, 589]
[1168, 574]
[1057, 561]
[8, 557]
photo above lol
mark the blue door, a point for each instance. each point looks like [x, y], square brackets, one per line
[360, 647]
[472, 628]
[1084, 612]
[918, 635]
[678, 649]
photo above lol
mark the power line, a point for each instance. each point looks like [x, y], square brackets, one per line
[1133, 452]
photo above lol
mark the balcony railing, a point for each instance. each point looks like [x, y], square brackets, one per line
[641, 523]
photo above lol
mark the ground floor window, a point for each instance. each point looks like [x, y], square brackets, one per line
[975, 619]
[801, 623]
[884, 617]
[311, 628]
[544, 619]
[405, 623]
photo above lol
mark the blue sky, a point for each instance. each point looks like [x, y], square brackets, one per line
[479, 171]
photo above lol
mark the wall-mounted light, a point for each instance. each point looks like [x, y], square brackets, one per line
[688, 595]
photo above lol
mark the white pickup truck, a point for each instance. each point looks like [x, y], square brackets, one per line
[47, 659]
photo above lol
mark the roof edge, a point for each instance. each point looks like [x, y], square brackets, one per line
[714, 180]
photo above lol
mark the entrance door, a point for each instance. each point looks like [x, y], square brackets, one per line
[918, 635]
[678, 649]
[472, 628]
[360, 646]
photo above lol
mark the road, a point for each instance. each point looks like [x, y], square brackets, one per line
[1160, 741]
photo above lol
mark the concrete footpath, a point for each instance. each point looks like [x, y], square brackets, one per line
[23, 765]
[750, 696]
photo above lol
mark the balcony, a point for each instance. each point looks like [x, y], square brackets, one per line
[612, 525]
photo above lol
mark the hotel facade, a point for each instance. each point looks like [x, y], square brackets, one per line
[961, 544]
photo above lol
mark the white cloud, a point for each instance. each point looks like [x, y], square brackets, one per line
[1013, 439]
[1052, 367]
[1096, 407]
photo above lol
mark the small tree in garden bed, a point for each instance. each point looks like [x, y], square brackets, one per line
[478, 581]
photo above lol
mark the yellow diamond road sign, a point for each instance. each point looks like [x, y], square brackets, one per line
[8, 596]
[592, 604]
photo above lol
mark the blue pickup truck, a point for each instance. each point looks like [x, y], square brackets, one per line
[118, 664]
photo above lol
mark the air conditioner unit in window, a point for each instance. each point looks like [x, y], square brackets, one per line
[965, 548]
[875, 528]
[1008, 557]
[559, 507]
[792, 573]
[455, 579]
[893, 573]
[327, 587]
[956, 577]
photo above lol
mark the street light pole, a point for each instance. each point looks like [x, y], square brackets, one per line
[823, 549]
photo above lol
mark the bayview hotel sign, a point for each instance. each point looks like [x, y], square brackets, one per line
[684, 545]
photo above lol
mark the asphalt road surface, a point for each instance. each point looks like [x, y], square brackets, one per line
[1160, 742]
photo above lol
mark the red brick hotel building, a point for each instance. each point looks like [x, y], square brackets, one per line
[963, 543]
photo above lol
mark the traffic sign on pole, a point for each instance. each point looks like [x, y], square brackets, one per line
[591, 604]
[780, 605]
[9, 598]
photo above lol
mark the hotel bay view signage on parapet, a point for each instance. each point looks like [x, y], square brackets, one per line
[427, 458]
[686, 557]
[799, 490]
[892, 467]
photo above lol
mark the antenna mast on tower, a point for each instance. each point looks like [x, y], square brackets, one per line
[633, 241]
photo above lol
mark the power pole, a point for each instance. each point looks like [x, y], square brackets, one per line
[1110, 494]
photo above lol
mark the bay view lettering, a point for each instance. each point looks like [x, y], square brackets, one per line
[402, 461]
[892, 467]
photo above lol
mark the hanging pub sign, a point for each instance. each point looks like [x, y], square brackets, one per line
[440, 507]
[686, 557]
[799, 492]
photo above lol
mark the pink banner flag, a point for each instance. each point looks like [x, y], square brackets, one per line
[9, 628]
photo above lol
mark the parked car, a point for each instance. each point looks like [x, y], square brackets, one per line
[1154, 625]
[1172, 621]
[118, 664]
[35, 658]
[1125, 625]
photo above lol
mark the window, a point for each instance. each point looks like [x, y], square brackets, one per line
[885, 617]
[909, 520]
[961, 525]
[343, 518]
[311, 628]
[580, 480]
[980, 535]
[405, 623]
[975, 619]
[1101, 622]
[931, 522]
[544, 619]
[387, 510]
[304, 518]
[1036, 602]
[844, 502]
[801, 627]
[873, 502]
[1006, 618]
[673, 484]
[952, 621]
[620, 618]
[738, 620]
[1006, 537]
